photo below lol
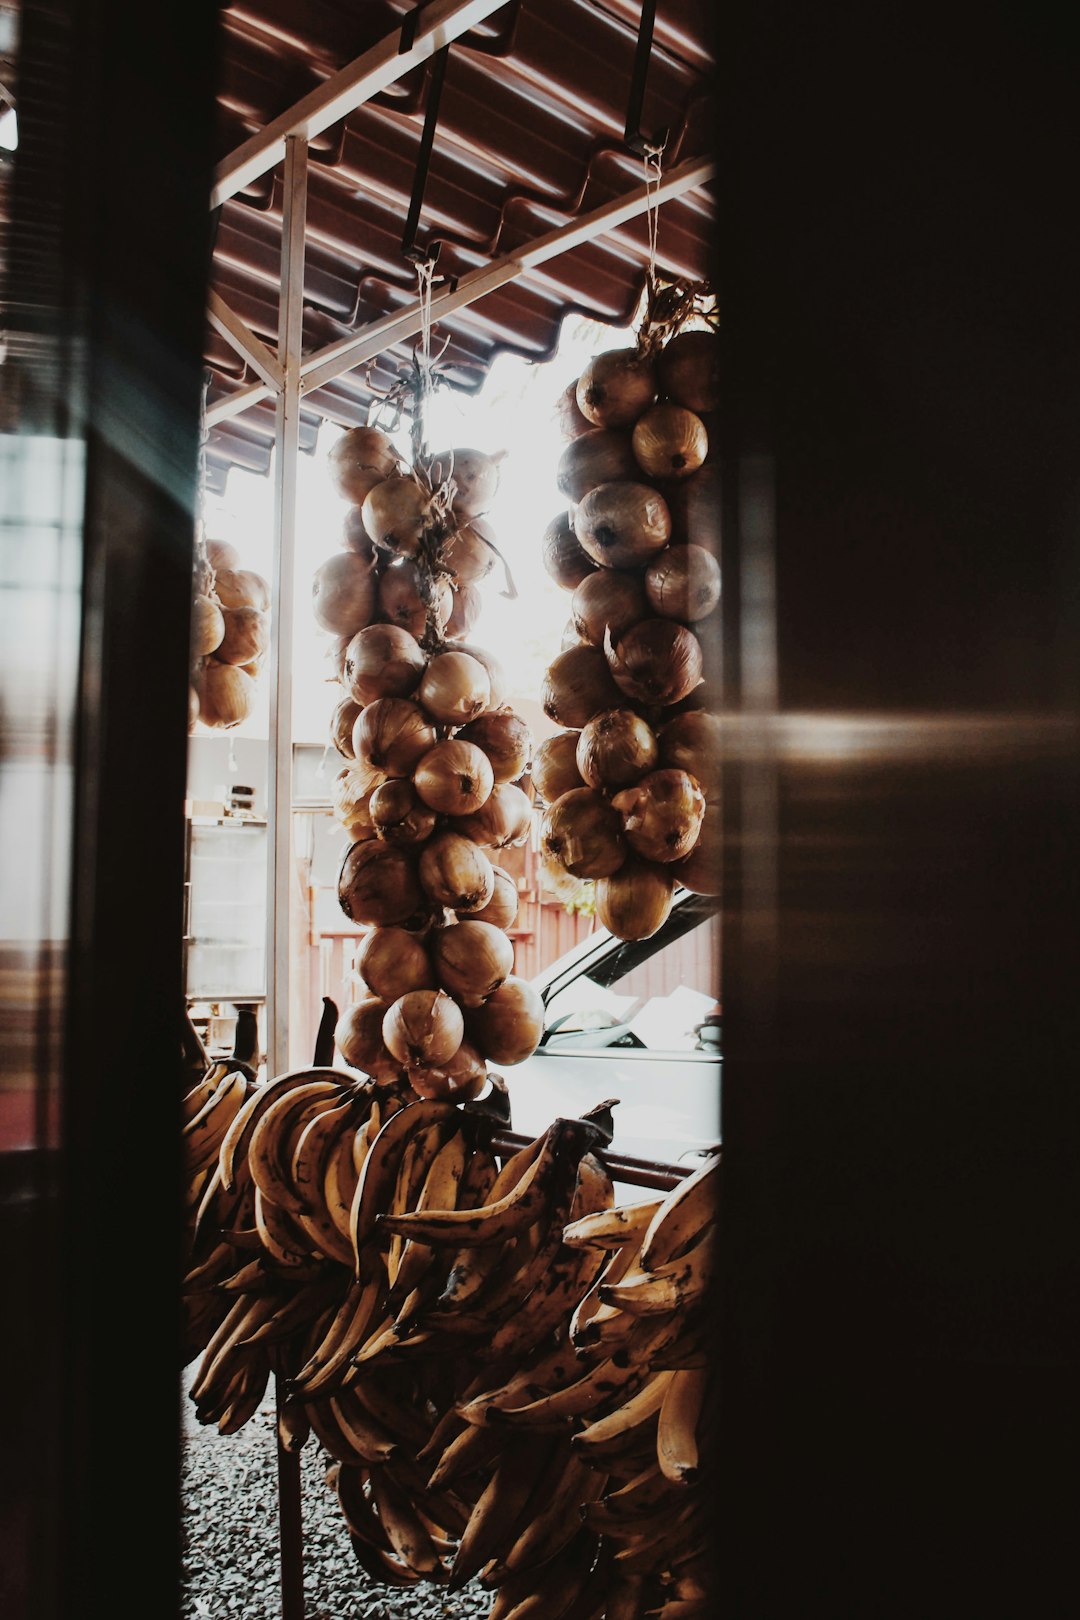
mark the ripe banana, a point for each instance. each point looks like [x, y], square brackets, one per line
[203, 1135]
[234, 1148]
[611, 1228]
[677, 1439]
[375, 1186]
[271, 1146]
[493, 1522]
[683, 1215]
[407, 1533]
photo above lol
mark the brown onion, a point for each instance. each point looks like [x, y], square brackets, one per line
[691, 742]
[662, 815]
[397, 814]
[343, 594]
[226, 695]
[350, 791]
[247, 636]
[616, 386]
[354, 537]
[566, 888]
[577, 685]
[454, 777]
[395, 514]
[670, 442]
[505, 739]
[391, 962]
[502, 909]
[615, 749]
[358, 1034]
[383, 661]
[700, 872]
[465, 611]
[335, 656]
[570, 636]
[377, 884]
[423, 1027]
[403, 598]
[459, 1080]
[222, 554]
[689, 367]
[562, 555]
[683, 583]
[604, 456]
[496, 673]
[467, 553]
[584, 833]
[341, 726]
[392, 735]
[623, 524]
[454, 688]
[241, 587]
[475, 477]
[658, 661]
[636, 901]
[554, 766]
[455, 872]
[611, 599]
[508, 1027]
[504, 819]
[569, 418]
[471, 960]
[359, 451]
[207, 626]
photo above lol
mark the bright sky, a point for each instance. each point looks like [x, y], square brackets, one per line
[514, 412]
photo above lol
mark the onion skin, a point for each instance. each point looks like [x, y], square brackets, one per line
[360, 450]
[564, 559]
[554, 766]
[569, 417]
[207, 626]
[577, 685]
[611, 599]
[350, 791]
[636, 901]
[358, 1034]
[570, 636]
[395, 514]
[691, 742]
[623, 524]
[455, 688]
[503, 820]
[247, 636]
[378, 884]
[226, 695]
[496, 673]
[466, 607]
[502, 909]
[392, 735]
[354, 537]
[682, 583]
[662, 815]
[241, 587]
[508, 1027]
[475, 475]
[505, 739]
[603, 456]
[616, 386]
[689, 370]
[221, 554]
[398, 816]
[455, 872]
[460, 1080]
[471, 960]
[382, 661]
[391, 962]
[454, 777]
[423, 1027]
[343, 594]
[700, 872]
[616, 749]
[401, 601]
[584, 834]
[467, 554]
[669, 442]
[659, 661]
[344, 718]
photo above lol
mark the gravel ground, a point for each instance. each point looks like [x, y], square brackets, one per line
[230, 1529]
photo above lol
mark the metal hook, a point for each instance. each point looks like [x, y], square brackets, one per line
[423, 162]
[633, 137]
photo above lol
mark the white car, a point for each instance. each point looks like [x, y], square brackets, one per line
[638, 1021]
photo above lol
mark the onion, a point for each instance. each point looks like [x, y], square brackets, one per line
[691, 742]
[358, 1034]
[601, 457]
[636, 901]
[352, 787]
[683, 583]
[395, 514]
[616, 386]
[247, 635]
[241, 587]
[583, 833]
[570, 636]
[562, 555]
[459, 1080]
[354, 537]
[657, 662]
[508, 1027]
[670, 442]
[397, 814]
[207, 626]
[662, 815]
[502, 909]
[569, 418]
[360, 452]
[689, 369]
[615, 749]
[423, 1027]
[402, 600]
[335, 656]
[226, 695]
[467, 554]
[475, 476]
[455, 688]
[495, 671]
[343, 594]
[192, 708]
[505, 818]
[623, 525]
[567, 889]
[467, 607]
[472, 959]
[577, 685]
[611, 599]
[383, 661]
[391, 962]
[392, 735]
[454, 777]
[377, 884]
[504, 738]
[554, 766]
[701, 870]
[222, 554]
[455, 872]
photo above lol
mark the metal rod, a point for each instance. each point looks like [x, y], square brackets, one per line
[375, 70]
[623, 1166]
[423, 158]
[290, 1521]
[633, 137]
[250, 347]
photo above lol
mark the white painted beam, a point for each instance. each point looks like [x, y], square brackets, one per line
[250, 347]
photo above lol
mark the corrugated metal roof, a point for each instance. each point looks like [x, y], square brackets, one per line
[529, 136]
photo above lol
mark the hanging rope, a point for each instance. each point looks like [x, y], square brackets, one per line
[654, 169]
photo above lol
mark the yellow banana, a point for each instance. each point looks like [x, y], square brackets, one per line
[339, 1181]
[683, 1215]
[370, 1443]
[439, 1190]
[603, 1384]
[202, 1091]
[555, 1512]
[589, 1310]
[375, 1186]
[282, 1239]
[473, 1449]
[329, 1365]
[610, 1228]
[203, 1135]
[233, 1153]
[677, 1439]
[272, 1140]
[407, 1534]
[293, 1426]
[642, 1405]
[493, 1522]
[553, 1590]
